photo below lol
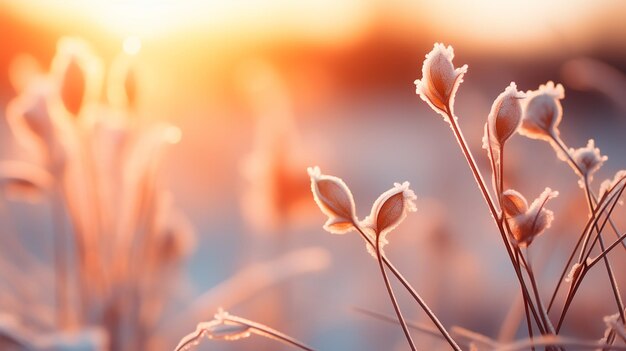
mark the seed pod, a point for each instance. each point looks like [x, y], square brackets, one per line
[388, 211]
[527, 225]
[440, 80]
[513, 203]
[335, 200]
[543, 112]
[505, 115]
[588, 159]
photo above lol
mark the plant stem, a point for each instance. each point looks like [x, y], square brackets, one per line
[608, 249]
[392, 297]
[471, 162]
[269, 332]
[608, 217]
[533, 283]
[528, 323]
[564, 272]
[607, 263]
[415, 295]
[500, 190]
[602, 204]
[570, 297]
[586, 266]
[483, 188]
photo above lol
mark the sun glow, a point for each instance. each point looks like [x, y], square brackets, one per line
[149, 18]
[507, 23]
[132, 45]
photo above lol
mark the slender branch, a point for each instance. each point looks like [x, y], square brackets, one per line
[500, 190]
[415, 296]
[564, 272]
[586, 266]
[483, 188]
[264, 330]
[608, 249]
[613, 225]
[471, 162]
[392, 296]
[602, 204]
[607, 263]
[615, 200]
[528, 323]
[241, 328]
[544, 314]
[393, 320]
[558, 142]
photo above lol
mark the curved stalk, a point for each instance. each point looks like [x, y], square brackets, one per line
[607, 263]
[483, 188]
[392, 297]
[415, 295]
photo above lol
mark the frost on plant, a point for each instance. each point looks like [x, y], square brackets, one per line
[334, 199]
[527, 222]
[610, 184]
[388, 211]
[440, 80]
[225, 326]
[504, 118]
[543, 112]
[588, 159]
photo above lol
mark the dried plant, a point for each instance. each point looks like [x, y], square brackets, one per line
[114, 225]
[225, 326]
[541, 113]
[535, 114]
[335, 200]
[118, 240]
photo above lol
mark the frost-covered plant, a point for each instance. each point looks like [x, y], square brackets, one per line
[118, 237]
[98, 164]
[225, 326]
[536, 114]
[335, 200]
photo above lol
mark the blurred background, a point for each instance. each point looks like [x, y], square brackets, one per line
[261, 90]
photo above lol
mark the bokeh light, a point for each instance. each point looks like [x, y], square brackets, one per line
[174, 137]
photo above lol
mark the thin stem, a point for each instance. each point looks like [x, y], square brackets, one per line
[500, 190]
[602, 204]
[586, 266]
[578, 170]
[608, 216]
[415, 295]
[607, 263]
[392, 297]
[582, 175]
[393, 320]
[483, 188]
[248, 327]
[528, 323]
[585, 269]
[533, 283]
[570, 296]
[608, 249]
[471, 162]
[564, 272]
[269, 332]
[613, 225]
